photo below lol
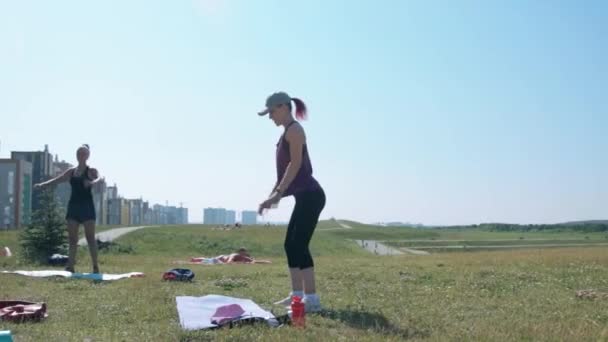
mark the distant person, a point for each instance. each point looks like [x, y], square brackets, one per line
[241, 256]
[294, 178]
[81, 209]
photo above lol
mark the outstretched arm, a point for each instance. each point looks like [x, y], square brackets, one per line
[59, 179]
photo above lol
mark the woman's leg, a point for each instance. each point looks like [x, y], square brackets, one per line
[292, 258]
[297, 288]
[306, 216]
[301, 226]
[308, 278]
[314, 204]
[89, 233]
[72, 244]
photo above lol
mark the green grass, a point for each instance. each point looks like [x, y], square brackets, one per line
[510, 295]
[474, 240]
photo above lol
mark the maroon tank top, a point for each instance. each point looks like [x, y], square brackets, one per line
[304, 180]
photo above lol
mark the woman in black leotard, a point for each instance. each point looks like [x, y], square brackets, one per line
[81, 209]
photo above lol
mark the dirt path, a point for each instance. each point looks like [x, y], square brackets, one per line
[342, 226]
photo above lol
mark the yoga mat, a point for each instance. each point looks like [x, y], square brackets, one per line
[195, 312]
[66, 274]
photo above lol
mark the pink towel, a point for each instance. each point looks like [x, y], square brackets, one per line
[227, 313]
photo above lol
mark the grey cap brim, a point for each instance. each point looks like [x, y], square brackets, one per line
[264, 112]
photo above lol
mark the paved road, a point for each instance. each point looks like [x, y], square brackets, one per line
[111, 234]
[414, 251]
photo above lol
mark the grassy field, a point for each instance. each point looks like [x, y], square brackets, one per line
[448, 240]
[489, 296]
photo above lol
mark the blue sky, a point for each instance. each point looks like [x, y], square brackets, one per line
[440, 112]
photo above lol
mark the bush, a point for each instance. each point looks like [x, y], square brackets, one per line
[46, 234]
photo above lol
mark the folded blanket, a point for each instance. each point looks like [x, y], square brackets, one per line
[66, 274]
[227, 313]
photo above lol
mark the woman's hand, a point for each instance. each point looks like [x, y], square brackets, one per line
[274, 198]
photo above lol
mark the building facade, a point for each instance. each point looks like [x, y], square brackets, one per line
[249, 217]
[230, 217]
[182, 215]
[125, 212]
[100, 199]
[42, 168]
[15, 193]
[136, 211]
[214, 216]
[63, 190]
[114, 211]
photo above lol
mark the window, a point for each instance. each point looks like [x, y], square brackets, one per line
[11, 182]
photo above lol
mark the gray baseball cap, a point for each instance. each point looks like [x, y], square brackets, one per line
[275, 100]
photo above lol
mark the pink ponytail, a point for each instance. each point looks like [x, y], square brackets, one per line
[301, 113]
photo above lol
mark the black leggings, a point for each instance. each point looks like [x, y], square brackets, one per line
[302, 224]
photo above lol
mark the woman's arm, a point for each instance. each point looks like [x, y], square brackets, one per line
[94, 175]
[59, 179]
[296, 138]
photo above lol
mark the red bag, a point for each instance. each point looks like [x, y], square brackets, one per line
[19, 311]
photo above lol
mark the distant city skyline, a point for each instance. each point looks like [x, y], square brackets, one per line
[439, 112]
[18, 200]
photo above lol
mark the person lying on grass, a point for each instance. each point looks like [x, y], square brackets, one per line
[241, 256]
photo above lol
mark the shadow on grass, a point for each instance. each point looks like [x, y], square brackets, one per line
[372, 321]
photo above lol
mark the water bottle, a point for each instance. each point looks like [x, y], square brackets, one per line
[298, 312]
[5, 336]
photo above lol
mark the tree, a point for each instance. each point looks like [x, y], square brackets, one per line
[46, 234]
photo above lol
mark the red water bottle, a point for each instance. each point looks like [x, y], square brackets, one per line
[297, 312]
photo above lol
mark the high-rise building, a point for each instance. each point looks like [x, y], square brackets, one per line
[125, 212]
[214, 216]
[15, 193]
[112, 192]
[182, 215]
[249, 217]
[136, 211]
[149, 217]
[160, 214]
[230, 217]
[100, 199]
[63, 190]
[114, 211]
[42, 168]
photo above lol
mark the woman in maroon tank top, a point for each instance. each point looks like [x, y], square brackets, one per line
[294, 178]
